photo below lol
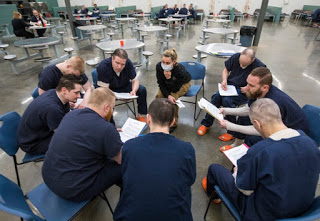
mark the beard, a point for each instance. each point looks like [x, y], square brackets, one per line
[254, 95]
[108, 116]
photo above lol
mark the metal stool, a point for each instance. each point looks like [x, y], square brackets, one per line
[147, 54]
[11, 58]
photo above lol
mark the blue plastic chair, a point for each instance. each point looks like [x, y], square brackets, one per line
[197, 72]
[35, 93]
[8, 140]
[312, 213]
[51, 207]
[313, 117]
[94, 74]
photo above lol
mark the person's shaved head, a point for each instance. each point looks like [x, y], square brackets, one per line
[246, 58]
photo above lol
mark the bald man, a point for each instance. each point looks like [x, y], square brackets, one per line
[237, 68]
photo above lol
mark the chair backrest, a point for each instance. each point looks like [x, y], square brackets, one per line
[313, 117]
[35, 93]
[12, 200]
[195, 69]
[94, 74]
[8, 132]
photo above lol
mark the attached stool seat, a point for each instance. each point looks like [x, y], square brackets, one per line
[61, 33]
[69, 51]
[11, 57]
[167, 39]
[92, 62]
[147, 54]
[75, 41]
[110, 34]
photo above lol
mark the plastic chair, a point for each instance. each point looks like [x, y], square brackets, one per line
[312, 213]
[35, 93]
[94, 74]
[313, 117]
[8, 140]
[197, 72]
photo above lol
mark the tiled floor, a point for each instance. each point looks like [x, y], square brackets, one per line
[287, 48]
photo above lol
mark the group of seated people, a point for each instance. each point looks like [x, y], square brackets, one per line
[166, 12]
[277, 178]
[19, 25]
[85, 11]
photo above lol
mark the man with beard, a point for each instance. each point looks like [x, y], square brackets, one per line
[259, 85]
[84, 155]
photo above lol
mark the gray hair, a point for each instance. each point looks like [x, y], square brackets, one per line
[265, 111]
[249, 52]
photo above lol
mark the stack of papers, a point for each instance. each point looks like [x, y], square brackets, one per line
[231, 90]
[210, 108]
[234, 154]
[131, 129]
[223, 53]
[124, 96]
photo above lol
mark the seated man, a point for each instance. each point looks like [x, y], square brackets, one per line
[183, 10]
[118, 74]
[157, 171]
[38, 19]
[84, 156]
[84, 10]
[260, 86]
[49, 77]
[162, 13]
[95, 11]
[192, 13]
[237, 68]
[43, 115]
[278, 176]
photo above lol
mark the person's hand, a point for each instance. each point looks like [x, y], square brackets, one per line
[81, 105]
[222, 111]
[172, 99]
[167, 74]
[132, 93]
[72, 105]
[119, 130]
[235, 169]
[224, 85]
[223, 124]
[243, 89]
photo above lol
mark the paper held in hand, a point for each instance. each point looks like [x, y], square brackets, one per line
[210, 108]
[231, 90]
[234, 154]
[180, 104]
[124, 96]
[131, 129]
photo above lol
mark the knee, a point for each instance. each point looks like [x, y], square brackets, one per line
[142, 89]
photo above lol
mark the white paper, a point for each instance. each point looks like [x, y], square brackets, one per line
[231, 90]
[131, 129]
[124, 96]
[210, 108]
[180, 104]
[78, 102]
[236, 153]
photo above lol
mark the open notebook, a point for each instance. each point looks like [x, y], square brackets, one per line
[234, 154]
[131, 129]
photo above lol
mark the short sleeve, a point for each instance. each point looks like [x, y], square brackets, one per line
[104, 70]
[130, 69]
[85, 78]
[231, 61]
[112, 141]
[44, 81]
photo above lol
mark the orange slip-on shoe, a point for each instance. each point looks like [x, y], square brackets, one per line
[142, 119]
[224, 148]
[204, 185]
[226, 137]
[202, 130]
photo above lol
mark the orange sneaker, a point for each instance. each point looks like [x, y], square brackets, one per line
[142, 119]
[226, 137]
[204, 185]
[224, 148]
[202, 130]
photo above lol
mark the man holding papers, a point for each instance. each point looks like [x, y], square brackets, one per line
[84, 155]
[157, 171]
[237, 68]
[278, 176]
[118, 74]
[259, 85]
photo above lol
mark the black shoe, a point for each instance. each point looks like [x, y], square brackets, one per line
[171, 129]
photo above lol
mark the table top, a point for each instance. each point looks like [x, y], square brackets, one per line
[221, 31]
[53, 18]
[75, 15]
[36, 42]
[219, 47]
[41, 27]
[178, 16]
[86, 19]
[141, 15]
[107, 15]
[170, 19]
[151, 28]
[218, 20]
[91, 27]
[113, 45]
[126, 19]
[217, 16]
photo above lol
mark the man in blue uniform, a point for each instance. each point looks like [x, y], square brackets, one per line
[237, 68]
[157, 171]
[118, 74]
[43, 115]
[259, 85]
[278, 176]
[84, 156]
[49, 77]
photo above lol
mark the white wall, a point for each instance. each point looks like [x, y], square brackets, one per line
[208, 5]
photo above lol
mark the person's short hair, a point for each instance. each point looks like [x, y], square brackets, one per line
[68, 81]
[161, 111]
[171, 53]
[265, 111]
[16, 15]
[77, 63]
[101, 96]
[121, 53]
[263, 74]
[249, 52]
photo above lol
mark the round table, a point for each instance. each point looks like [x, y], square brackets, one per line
[220, 31]
[216, 21]
[91, 28]
[149, 29]
[48, 26]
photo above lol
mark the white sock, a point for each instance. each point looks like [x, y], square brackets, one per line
[237, 142]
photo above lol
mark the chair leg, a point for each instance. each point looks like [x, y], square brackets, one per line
[104, 197]
[210, 200]
[16, 169]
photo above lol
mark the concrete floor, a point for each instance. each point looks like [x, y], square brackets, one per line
[287, 48]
